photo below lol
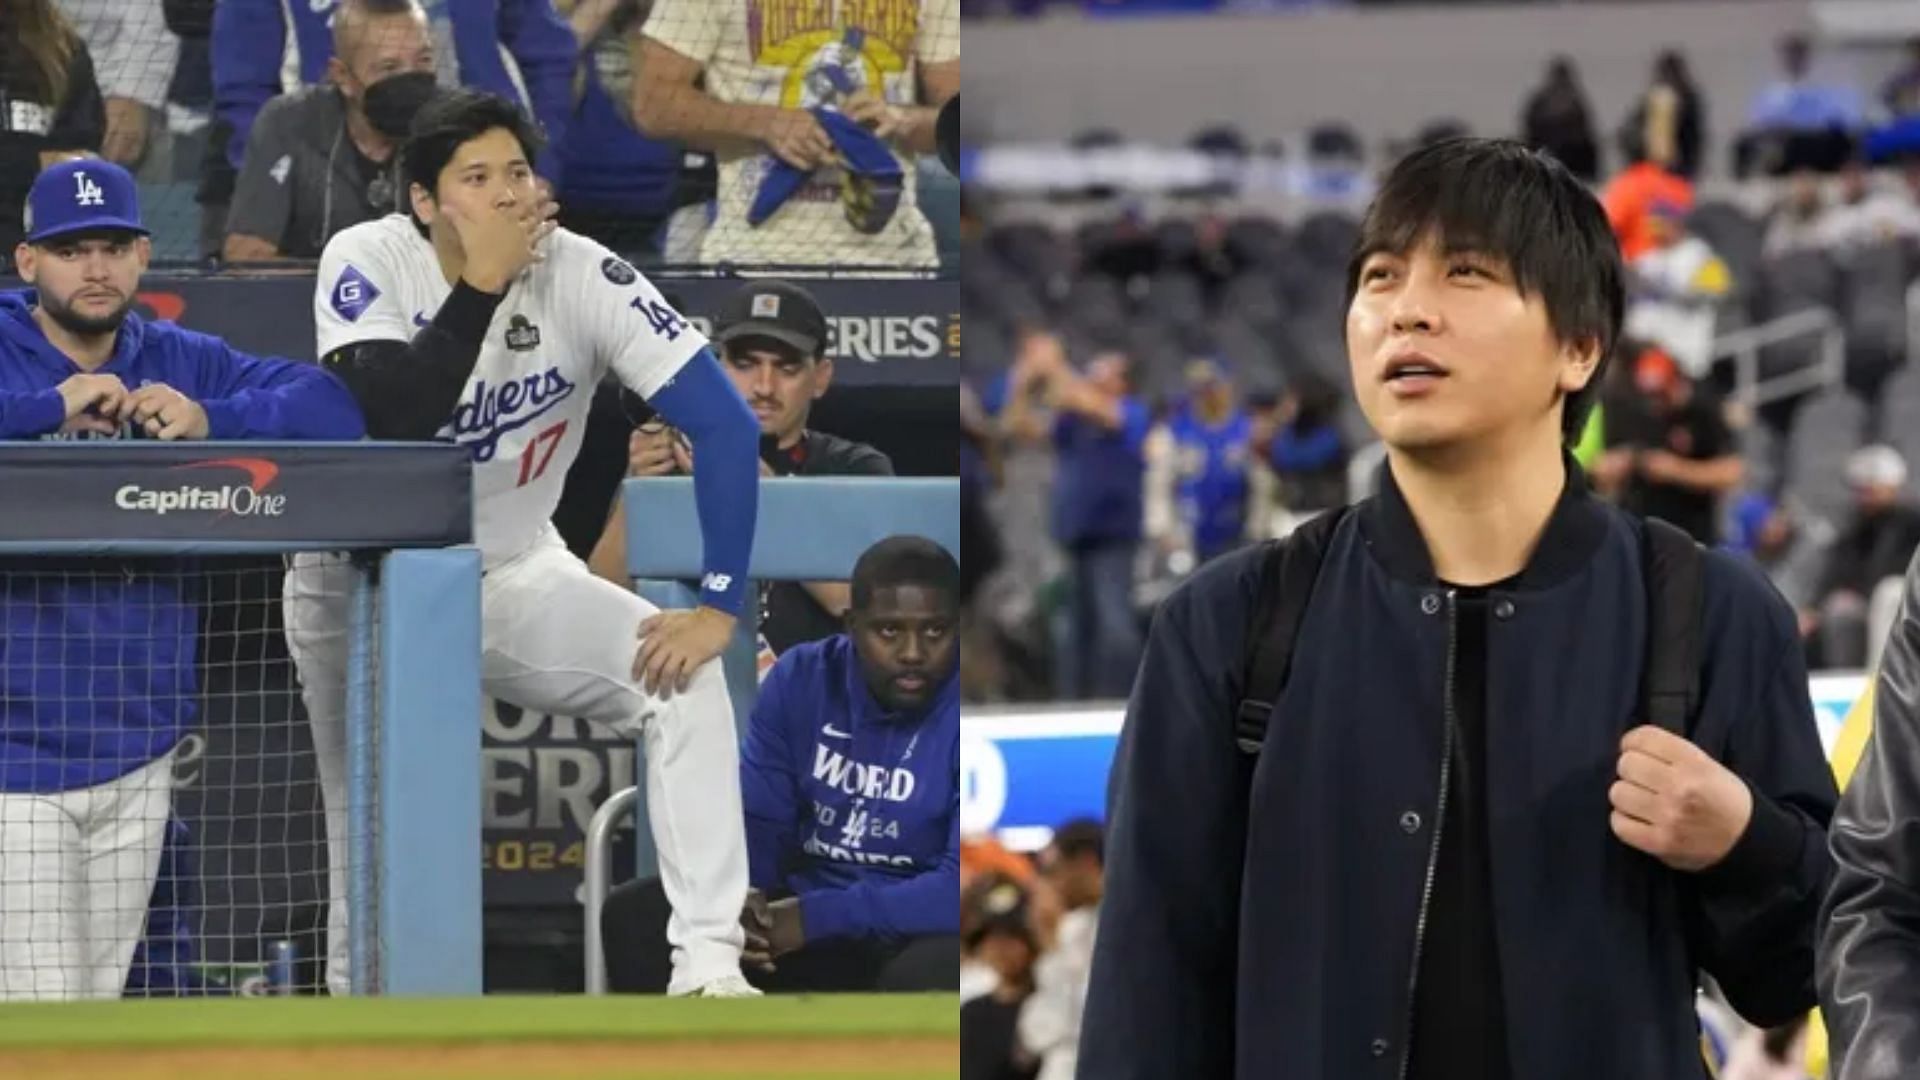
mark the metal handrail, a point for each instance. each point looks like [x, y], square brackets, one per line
[1743, 348]
[599, 880]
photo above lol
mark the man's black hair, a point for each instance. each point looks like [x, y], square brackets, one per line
[1497, 198]
[452, 119]
[1081, 836]
[904, 560]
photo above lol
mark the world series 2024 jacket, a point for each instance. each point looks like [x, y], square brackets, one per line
[1870, 941]
[1293, 956]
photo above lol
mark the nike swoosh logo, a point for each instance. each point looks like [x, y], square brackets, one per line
[420, 320]
[832, 732]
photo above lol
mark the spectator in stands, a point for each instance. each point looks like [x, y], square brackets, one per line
[1073, 869]
[1197, 473]
[54, 108]
[326, 158]
[1864, 216]
[1099, 428]
[135, 53]
[1670, 118]
[1674, 289]
[773, 342]
[1901, 94]
[1799, 221]
[1676, 458]
[521, 50]
[1789, 544]
[1799, 121]
[1000, 941]
[1875, 544]
[1630, 197]
[792, 105]
[850, 776]
[1308, 453]
[619, 185]
[1556, 119]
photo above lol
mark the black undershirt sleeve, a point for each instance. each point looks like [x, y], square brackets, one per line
[408, 389]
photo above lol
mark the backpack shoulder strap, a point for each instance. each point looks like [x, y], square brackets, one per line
[1673, 565]
[1287, 574]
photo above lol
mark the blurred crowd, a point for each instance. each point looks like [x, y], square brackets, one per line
[1151, 387]
[1027, 929]
[672, 136]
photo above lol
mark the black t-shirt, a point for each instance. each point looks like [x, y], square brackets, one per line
[31, 125]
[789, 615]
[1696, 431]
[1459, 1019]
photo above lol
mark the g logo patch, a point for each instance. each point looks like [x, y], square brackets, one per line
[617, 271]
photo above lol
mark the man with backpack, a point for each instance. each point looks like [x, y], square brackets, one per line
[1470, 779]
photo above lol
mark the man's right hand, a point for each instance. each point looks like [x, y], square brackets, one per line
[757, 920]
[650, 452]
[499, 244]
[89, 400]
[796, 138]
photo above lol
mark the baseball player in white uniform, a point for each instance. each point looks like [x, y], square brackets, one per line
[472, 319]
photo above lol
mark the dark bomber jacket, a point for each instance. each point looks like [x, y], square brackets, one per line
[1278, 939]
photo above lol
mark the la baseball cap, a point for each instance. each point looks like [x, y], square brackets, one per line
[83, 195]
[774, 309]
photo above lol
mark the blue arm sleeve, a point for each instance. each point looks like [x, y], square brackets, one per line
[701, 401]
[767, 788]
[30, 414]
[542, 43]
[249, 38]
[927, 903]
[251, 397]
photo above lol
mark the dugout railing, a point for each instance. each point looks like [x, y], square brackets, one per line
[809, 529]
[405, 513]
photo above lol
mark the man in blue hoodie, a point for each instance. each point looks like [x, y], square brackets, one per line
[97, 680]
[850, 777]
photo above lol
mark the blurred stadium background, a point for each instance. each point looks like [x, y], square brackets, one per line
[1160, 198]
[234, 118]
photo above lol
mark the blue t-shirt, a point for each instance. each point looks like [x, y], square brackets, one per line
[1211, 486]
[1097, 493]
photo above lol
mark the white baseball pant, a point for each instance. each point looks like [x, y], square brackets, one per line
[76, 874]
[557, 640]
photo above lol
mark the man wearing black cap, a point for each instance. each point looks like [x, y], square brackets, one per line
[773, 339]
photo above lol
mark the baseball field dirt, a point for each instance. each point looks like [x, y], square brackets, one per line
[824, 1037]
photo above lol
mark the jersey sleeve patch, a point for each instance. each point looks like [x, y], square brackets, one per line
[617, 271]
[352, 294]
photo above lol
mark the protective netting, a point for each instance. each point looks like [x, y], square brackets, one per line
[750, 133]
[160, 817]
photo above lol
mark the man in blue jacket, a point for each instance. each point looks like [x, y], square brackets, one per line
[97, 681]
[1463, 853]
[850, 776]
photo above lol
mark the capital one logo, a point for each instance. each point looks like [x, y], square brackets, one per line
[86, 192]
[238, 499]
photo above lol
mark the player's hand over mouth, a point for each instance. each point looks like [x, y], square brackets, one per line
[499, 243]
[673, 645]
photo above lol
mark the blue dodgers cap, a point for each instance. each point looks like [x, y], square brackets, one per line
[84, 195]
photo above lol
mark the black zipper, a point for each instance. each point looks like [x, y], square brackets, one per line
[1439, 823]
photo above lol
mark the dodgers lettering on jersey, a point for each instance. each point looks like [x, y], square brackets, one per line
[564, 323]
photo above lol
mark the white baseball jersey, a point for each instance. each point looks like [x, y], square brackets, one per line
[562, 325]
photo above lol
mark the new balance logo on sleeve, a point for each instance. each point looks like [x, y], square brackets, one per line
[717, 582]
